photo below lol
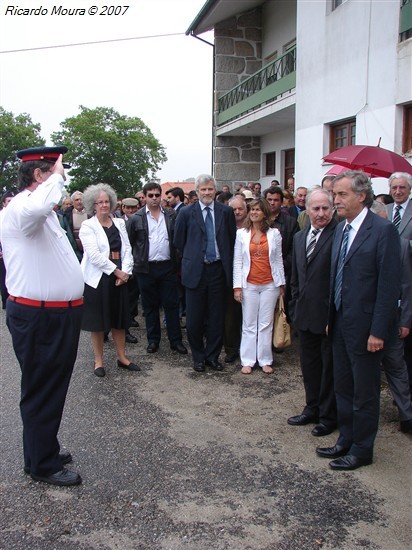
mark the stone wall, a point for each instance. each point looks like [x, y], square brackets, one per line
[238, 55]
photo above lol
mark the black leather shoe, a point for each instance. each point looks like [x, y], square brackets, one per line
[64, 478]
[152, 347]
[179, 347]
[302, 420]
[64, 456]
[320, 430]
[134, 324]
[349, 462]
[130, 339]
[199, 367]
[406, 426]
[214, 364]
[130, 366]
[332, 452]
[100, 372]
[231, 357]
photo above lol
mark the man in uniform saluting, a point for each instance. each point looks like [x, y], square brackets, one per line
[44, 309]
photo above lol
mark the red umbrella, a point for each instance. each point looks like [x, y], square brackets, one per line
[336, 170]
[373, 160]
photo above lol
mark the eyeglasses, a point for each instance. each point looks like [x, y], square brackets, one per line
[151, 195]
[102, 203]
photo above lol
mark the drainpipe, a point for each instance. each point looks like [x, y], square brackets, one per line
[213, 100]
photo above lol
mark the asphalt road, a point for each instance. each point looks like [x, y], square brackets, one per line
[173, 459]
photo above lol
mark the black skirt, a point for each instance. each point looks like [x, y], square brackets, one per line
[107, 306]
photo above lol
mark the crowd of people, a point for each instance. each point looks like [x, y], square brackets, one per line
[216, 260]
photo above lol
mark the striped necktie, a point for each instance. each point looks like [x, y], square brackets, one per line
[312, 243]
[341, 263]
[397, 216]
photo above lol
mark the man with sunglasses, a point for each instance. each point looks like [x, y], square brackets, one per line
[151, 232]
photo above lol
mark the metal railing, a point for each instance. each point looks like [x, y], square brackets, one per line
[269, 75]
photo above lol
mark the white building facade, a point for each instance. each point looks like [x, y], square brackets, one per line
[295, 80]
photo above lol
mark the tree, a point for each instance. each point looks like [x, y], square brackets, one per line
[17, 132]
[105, 146]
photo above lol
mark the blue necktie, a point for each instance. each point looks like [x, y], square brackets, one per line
[341, 262]
[210, 236]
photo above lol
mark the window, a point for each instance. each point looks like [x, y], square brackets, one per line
[342, 134]
[270, 164]
[407, 129]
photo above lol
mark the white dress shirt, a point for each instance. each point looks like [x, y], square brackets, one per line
[159, 247]
[40, 262]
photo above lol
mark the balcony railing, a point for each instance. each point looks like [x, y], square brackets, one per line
[273, 80]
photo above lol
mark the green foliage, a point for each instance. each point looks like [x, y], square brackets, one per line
[17, 132]
[105, 146]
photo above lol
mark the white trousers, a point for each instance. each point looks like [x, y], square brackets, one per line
[258, 309]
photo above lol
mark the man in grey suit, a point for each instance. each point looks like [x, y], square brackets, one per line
[308, 310]
[365, 288]
[400, 214]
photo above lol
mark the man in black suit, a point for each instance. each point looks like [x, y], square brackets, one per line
[400, 214]
[365, 288]
[288, 228]
[308, 310]
[155, 266]
[205, 235]
[175, 199]
[299, 206]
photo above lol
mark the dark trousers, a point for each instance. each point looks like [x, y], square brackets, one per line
[159, 288]
[205, 313]
[45, 342]
[133, 289]
[357, 389]
[316, 362]
[408, 359]
[397, 375]
[233, 325]
[3, 288]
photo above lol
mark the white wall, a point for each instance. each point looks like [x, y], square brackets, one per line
[346, 66]
[278, 26]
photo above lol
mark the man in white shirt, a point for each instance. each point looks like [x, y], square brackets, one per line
[151, 232]
[44, 309]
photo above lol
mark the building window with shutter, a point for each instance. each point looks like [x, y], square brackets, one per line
[342, 134]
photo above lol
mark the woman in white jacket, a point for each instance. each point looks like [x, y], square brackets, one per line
[107, 265]
[258, 278]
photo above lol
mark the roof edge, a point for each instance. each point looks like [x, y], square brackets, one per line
[198, 19]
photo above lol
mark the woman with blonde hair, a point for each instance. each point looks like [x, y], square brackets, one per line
[107, 265]
[258, 279]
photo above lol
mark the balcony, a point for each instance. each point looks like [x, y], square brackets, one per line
[268, 84]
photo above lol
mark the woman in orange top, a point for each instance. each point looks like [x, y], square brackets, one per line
[258, 278]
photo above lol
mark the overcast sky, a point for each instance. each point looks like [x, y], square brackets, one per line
[167, 82]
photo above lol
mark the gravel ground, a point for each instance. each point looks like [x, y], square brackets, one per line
[173, 459]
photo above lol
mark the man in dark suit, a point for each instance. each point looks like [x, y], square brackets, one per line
[365, 287]
[400, 214]
[288, 228]
[308, 310]
[155, 266]
[205, 235]
[299, 206]
[175, 199]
